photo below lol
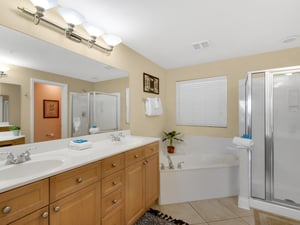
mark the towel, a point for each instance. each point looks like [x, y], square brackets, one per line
[242, 142]
[153, 107]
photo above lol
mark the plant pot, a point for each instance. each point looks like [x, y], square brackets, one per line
[171, 149]
[16, 132]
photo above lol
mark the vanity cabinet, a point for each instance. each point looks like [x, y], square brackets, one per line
[18, 203]
[142, 180]
[17, 141]
[75, 196]
[114, 191]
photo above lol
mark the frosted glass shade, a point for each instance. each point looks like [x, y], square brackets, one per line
[93, 30]
[112, 39]
[71, 16]
[45, 4]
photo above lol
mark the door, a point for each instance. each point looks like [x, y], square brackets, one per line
[152, 179]
[47, 112]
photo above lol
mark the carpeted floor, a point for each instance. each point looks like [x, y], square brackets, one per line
[155, 217]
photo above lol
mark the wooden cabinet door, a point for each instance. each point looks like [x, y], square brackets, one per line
[151, 180]
[39, 217]
[82, 207]
[134, 194]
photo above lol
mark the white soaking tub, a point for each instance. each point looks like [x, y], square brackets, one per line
[202, 176]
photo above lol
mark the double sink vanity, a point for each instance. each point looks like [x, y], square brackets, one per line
[111, 183]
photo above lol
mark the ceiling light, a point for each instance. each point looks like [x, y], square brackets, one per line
[291, 38]
[111, 39]
[45, 4]
[93, 31]
[3, 69]
[73, 18]
[41, 6]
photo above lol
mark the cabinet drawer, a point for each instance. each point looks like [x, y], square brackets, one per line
[134, 155]
[112, 201]
[21, 201]
[71, 181]
[112, 183]
[151, 149]
[112, 164]
[114, 218]
[39, 217]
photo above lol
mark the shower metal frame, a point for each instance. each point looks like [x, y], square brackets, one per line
[269, 129]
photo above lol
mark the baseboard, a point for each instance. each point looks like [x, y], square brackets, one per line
[243, 202]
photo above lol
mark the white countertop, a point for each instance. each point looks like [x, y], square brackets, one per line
[69, 159]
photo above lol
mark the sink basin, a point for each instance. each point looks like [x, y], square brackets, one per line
[29, 168]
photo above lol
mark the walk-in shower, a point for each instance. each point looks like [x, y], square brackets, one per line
[273, 121]
[98, 109]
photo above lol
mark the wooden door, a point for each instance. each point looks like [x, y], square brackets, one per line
[82, 207]
[135, 192]
[151, 180]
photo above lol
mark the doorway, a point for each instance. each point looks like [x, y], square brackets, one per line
[48, 110]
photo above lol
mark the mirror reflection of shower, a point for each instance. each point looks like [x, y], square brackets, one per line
[94, 112]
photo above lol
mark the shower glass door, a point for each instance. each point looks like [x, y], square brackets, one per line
[286, 137]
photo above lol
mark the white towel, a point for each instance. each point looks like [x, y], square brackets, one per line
[242, 142]
[153, 107]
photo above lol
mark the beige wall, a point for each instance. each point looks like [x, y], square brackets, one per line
[112, 86]
[122, 57]
[127, 59]
[235, 69]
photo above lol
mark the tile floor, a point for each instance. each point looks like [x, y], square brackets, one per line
[221, 211]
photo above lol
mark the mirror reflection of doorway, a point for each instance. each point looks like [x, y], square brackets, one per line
[48, 125]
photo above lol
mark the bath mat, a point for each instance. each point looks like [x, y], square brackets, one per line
[155, 217]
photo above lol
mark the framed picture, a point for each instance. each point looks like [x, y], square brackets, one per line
[151, 84]
[51, 108]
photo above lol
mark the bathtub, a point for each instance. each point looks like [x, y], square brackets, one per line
[202, 176]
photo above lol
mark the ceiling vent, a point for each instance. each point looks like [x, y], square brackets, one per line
[201, 44]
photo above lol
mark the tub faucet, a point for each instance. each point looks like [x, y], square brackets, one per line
[171, 165]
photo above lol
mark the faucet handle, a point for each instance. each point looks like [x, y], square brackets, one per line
[27, 155]
[179, 165]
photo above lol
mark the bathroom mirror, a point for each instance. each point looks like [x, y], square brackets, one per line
[31, 58]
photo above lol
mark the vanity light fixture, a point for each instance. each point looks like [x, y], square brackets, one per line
[3, 69]
[73, 18]
[93, 31]
[41, 6]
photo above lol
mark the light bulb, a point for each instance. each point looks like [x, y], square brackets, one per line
[111, 39]
[45, 4]
[92, 30]
[71, 16]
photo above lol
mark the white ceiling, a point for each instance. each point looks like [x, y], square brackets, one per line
[164, 30]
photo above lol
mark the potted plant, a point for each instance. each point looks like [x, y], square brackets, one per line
[15, 129]
[171, 137]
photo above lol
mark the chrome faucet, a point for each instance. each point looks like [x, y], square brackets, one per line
[171, 165]
[117, 137]
[179, 165]
[12, 159]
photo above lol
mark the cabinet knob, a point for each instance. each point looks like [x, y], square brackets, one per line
[114, 182]
[79, 180]
[114, 164]
[136, 156]
[145, 162]
[6, 209]
[56, 209]
[114, 201]
[45, 215]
